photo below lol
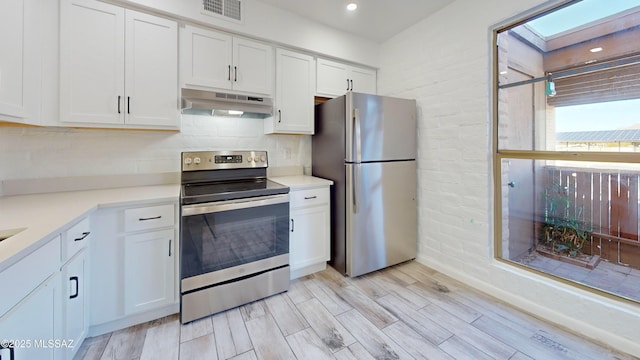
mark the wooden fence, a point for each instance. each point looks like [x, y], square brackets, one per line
[607, 201]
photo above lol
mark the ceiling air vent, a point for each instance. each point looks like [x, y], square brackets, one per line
[230, 9]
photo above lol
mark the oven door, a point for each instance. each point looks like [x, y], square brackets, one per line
[226, 240]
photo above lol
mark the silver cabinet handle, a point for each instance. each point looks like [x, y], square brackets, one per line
[292, 225]
[170, 247]
[351, 84]
[279, 116]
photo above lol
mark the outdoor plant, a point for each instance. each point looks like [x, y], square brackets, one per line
[564, 230]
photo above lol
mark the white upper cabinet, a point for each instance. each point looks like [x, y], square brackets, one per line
[295, 84]
[19, 62]
[117, 67]
[336, 79]
[210, 59]
[151, 69]
[205, 58]
[363, 80]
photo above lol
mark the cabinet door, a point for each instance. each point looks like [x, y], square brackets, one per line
[332, 78]
[252, 67]
[294, 93]
[205, 58]
[107, 267]
[33, 322]
[11, 75]
[149, 269]
[151, 71]
[364, 80]
[75, 304]
[91, 62]
[19, 63]
[309, 237]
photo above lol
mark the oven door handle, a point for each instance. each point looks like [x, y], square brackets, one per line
[236, 204]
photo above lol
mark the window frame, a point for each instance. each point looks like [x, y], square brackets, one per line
[498, 156]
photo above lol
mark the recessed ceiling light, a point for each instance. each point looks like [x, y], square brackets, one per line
[352, 5]
[595, 49]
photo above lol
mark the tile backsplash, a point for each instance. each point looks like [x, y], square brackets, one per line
[32, 153]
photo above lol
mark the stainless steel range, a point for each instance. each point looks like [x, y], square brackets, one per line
[234, 232]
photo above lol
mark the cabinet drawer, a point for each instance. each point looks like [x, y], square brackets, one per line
[74, 239]
[24, 276]
[150, 217]
[309, 197]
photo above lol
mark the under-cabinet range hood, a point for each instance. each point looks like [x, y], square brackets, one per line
[225, 103]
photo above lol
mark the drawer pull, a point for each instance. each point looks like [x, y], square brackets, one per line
[84, 236]
[292, 225]
[150, 218]
[75, 279]
[310, 197]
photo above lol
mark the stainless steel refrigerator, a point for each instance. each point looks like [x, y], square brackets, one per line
[366, 144]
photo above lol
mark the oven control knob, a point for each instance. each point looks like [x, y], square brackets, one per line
[196, 160]
[187, 161]
[263, 158]
[249, 159]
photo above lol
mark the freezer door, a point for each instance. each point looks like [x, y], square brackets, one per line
[381, 215]
[379, 128]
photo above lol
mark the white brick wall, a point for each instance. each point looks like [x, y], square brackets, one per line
[444, 63]
[29, 153]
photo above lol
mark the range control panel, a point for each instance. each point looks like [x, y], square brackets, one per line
[216, 160]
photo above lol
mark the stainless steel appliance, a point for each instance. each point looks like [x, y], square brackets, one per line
[234, 232]
[366, 144]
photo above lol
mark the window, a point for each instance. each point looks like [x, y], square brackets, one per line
[567, 144]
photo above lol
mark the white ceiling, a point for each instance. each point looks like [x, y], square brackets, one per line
[377, 20]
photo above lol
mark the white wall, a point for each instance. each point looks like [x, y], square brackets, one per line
[444, 62]
[31, 153]
[265, 22]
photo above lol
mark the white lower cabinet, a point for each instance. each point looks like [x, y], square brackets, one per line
[133, 265]
[149, 265]
[75, 304]
[74, 291]
[30, 311]
[309, 240]
[31, 327]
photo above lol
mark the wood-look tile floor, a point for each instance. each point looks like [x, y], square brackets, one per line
[404, 312]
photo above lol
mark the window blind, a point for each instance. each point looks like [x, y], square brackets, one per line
[612, 84]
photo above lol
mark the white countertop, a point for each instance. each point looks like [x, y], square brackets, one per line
[298, 182]
[44, 216]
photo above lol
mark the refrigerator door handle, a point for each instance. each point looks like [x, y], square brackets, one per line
[355, 187]
[356, 136]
